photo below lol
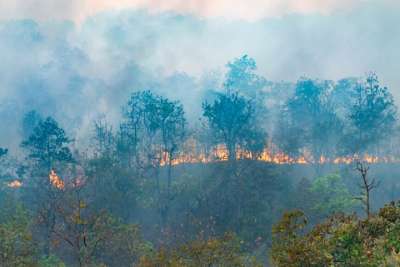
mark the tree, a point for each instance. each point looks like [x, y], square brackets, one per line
[340, 240]
[3, 152]
[223, 251]
[366, 186]
[332, 196]
[155, 128]
[372, 116]
[16, 242]
[171, 123]
[289, 248]
[343, 95]
[154, 124]
[48, 144]
[241, 77]
[47, 147]
[92, 235]
[29, 122]
[287, 135]
[104, 140]
[309, 121]
[115, 185]
[233, 122]
[133, 130]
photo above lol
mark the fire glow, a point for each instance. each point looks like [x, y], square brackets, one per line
[56, 181]
[220, 154]
[15, 184]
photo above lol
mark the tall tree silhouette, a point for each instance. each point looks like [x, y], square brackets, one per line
[47, 148]
[233, 122]
[372, 116]
[48, 144]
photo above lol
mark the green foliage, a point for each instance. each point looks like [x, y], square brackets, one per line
[215, 202]
[372, 116]
[224, 251]
[332, 195]
[125, 180]
[48, 149]
[17, 247]
[48, 144]
[116, 244]
[241, 77]
[309, 121]
[291, 249]
[314, 117]
[232, 120]
[338, 241]
[154, 118]
[117, 189]
[286, 134]
[91, 234]
[50, 261]
[151, 135]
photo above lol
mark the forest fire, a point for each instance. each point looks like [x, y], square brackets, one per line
[15, 184]
[220, 154]
[162, 133]
[56, 181]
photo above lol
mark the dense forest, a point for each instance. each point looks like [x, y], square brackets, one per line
[268, 174]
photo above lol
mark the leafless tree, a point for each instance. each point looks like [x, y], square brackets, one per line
[366, 186]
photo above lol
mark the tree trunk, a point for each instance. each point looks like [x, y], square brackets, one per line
[231, 152]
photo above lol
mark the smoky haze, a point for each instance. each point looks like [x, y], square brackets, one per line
[78, 72]
[199, 133]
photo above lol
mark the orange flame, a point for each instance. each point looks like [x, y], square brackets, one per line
[219, 153]
[55, 180]
[15, 184]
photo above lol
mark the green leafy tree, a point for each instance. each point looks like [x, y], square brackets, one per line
[372, 116]
[47, 149]
[155, 129]
[343, 95]
[332, 195]
[51, 261]
[233, 122]
[309, 121]
[115, 183]
[154, 125]
[17, 247]
[340, 240]
[287, 135]
[93, 236]
[241, 77]
[48, 144]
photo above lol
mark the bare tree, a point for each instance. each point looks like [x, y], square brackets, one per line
[366, 186]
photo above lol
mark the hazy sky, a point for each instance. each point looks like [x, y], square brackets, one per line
[78, 10]
[78, 69]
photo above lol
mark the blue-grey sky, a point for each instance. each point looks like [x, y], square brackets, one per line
[75, 59]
